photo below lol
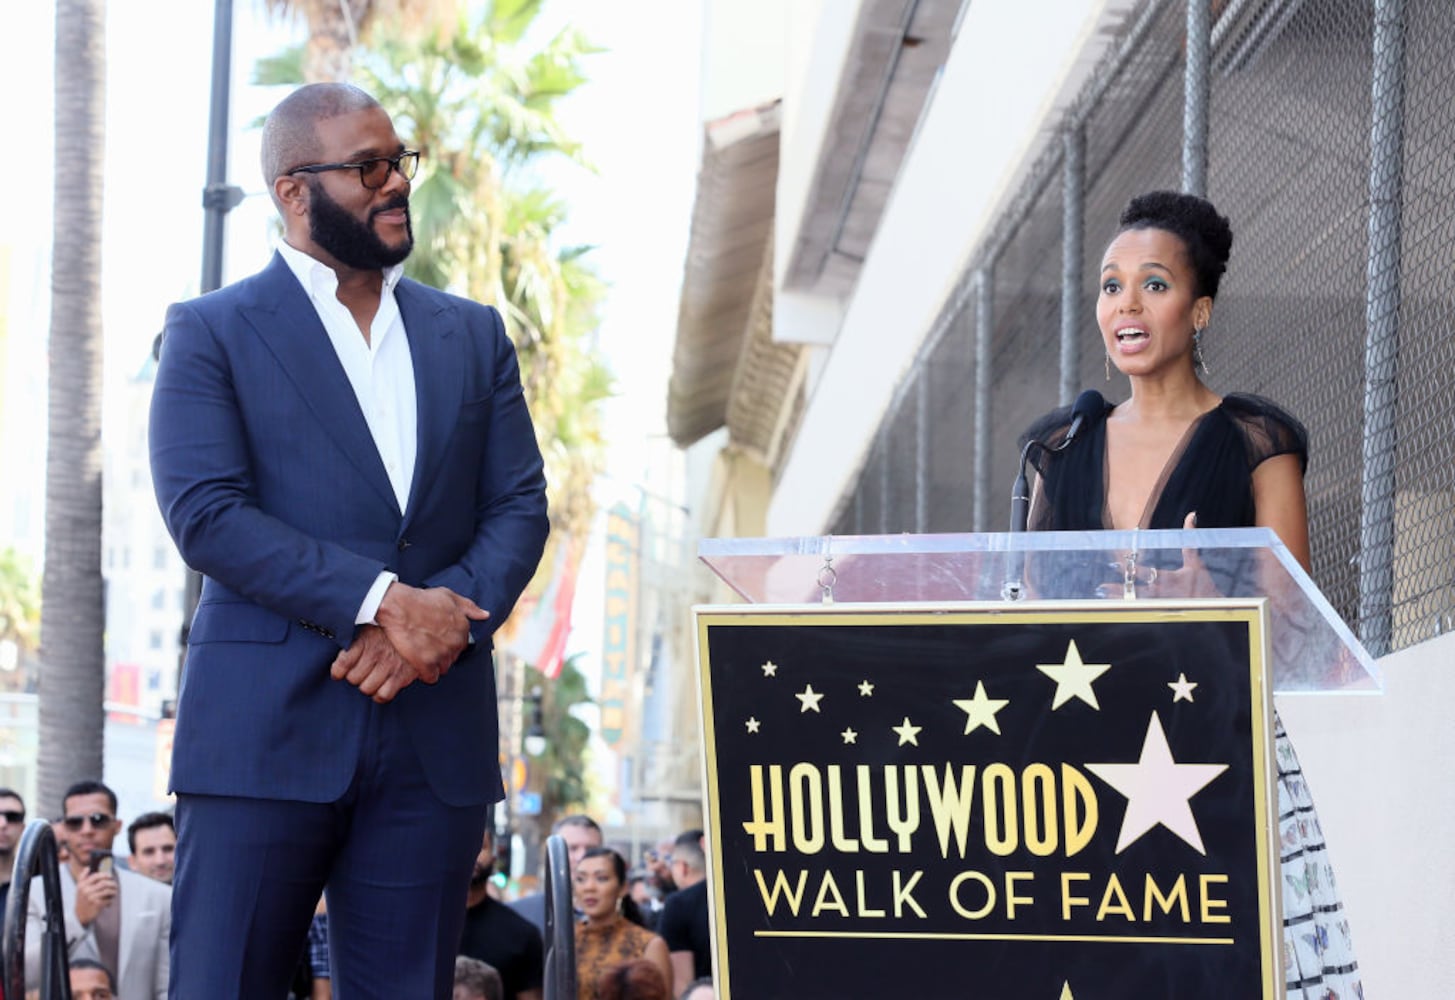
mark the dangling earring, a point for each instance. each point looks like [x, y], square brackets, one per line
[1108, 366]
[1199, 359]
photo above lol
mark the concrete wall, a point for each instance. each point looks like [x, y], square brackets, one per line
[987, 113]
[1378, 767]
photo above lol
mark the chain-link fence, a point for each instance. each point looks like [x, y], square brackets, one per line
[1330, 144]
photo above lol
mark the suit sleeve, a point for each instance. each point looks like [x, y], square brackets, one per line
[510, 497]
[201, 472]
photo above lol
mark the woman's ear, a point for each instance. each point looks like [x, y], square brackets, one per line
[1202, 312]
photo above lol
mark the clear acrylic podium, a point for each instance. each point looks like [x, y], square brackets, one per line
[1313, 651]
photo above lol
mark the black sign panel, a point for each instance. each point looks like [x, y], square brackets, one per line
[1068, 803]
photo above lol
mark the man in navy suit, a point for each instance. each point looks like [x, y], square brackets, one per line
[346, 457]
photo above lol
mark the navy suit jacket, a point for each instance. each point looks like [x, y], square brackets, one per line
[271, 486]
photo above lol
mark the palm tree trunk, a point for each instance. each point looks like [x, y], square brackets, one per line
[72, 607]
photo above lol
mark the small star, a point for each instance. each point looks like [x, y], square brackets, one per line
[809, 698]
[866, 689]
[1073, 678]
[753, 725]
[1158, 790]
[980, 710]
[849, 736]
[770, 669]
[1182, 689]
[907, 733]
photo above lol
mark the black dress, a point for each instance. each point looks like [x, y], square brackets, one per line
[1211, 472]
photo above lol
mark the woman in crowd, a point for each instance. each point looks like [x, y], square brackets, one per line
[636, 980]
[1177, 455]
[612, 931]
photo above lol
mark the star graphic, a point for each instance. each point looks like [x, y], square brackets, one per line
[907, 733]
[866, 689]
[1182, 689]
[849, 736]
[1073, 678]
[770, 669]
[1066, 991]
[809, 698]
[980, 710]
[1158, 789]
[753, 724]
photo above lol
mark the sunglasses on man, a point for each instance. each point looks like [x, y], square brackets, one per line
[12, 815]
[97, 821]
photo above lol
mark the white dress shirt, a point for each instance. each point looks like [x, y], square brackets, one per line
[381, 371]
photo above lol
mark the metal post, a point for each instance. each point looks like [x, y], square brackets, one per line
[1073, 217]
[1195, 86]
[1381, 312]
[218, 198]
[984, 332]
[922, 450]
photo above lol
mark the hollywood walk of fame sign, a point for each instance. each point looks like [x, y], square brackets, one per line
[991, 802]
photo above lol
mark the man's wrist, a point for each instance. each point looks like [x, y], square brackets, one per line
[369, 610]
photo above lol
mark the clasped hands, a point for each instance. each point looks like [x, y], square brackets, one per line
[419, 635]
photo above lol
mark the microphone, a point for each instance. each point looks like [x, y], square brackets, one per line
[1087, 404]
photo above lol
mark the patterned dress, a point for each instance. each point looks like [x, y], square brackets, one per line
[599, 946]
[1211, 472]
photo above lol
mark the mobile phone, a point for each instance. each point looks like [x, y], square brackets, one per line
[102, 861]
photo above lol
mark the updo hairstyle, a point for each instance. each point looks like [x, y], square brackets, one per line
[1207, 235]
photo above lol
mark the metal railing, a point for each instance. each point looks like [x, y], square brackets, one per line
[560, 978]
[36, 855]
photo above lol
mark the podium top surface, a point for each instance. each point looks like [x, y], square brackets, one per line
[1313, 650]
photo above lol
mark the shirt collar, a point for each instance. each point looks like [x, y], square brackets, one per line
[317, 278]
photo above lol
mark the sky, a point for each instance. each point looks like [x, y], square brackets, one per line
[638, 120]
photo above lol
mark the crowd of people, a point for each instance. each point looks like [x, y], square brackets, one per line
[641, 933]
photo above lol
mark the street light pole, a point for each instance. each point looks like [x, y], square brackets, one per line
[218, 198]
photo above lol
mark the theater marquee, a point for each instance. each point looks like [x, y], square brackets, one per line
[1060, 801]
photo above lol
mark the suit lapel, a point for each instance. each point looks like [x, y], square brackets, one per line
[439, 378]
[126, 933]
[278, 308]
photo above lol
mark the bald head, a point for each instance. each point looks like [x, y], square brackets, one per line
[290, 135]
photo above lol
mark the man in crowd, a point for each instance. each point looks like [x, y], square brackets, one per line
[91, 980]
[475, 980]
[12, 825]
[117, 918]
[581, 833]
[496, 934]
[347, 458]
[153, 843]
[684, 924]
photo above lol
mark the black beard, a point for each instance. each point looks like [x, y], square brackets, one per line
[479, 876]
[351, 242]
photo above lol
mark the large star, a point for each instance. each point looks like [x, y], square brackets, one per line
[810, 699]
[980, 710]
[1182, 688]
[1158, 789]
[907, 733]
[1066, 991]
[1073, 678]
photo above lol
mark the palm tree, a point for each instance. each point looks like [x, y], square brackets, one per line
[337, 27]
[480, 104]
[72, 607]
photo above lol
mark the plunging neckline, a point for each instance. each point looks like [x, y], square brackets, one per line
[1174, 461]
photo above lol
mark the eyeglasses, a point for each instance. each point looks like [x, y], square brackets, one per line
[373, 173]
[12, 815]
[97, 821]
